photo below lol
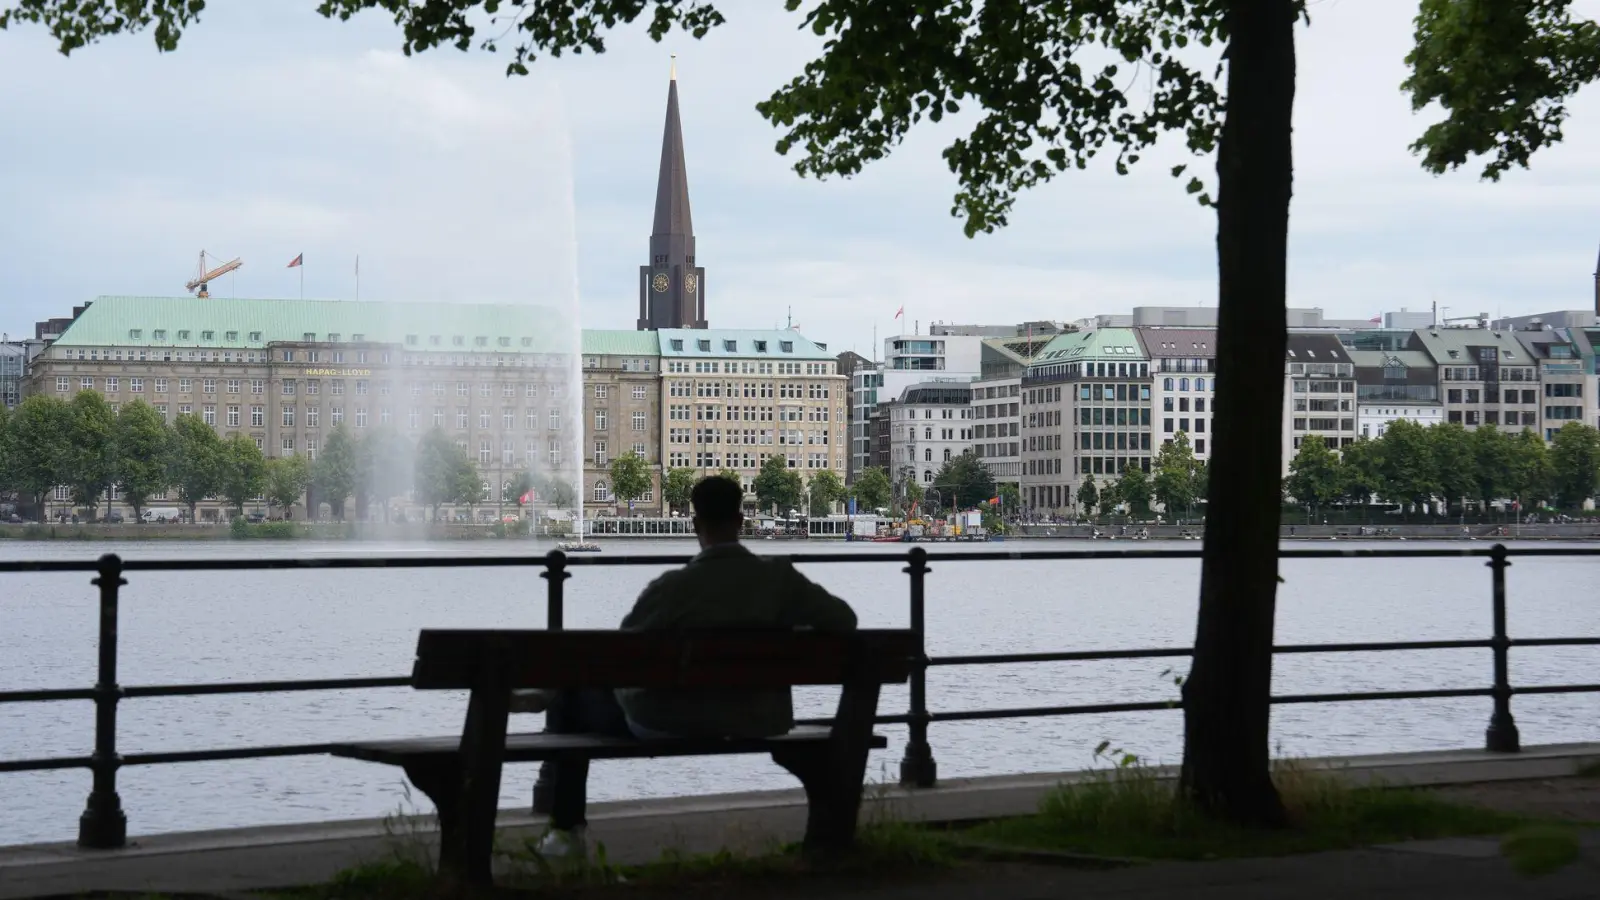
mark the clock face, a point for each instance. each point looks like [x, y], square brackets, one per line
[690, 283]
[660, 283]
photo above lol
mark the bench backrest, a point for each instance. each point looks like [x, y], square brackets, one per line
[450, 659]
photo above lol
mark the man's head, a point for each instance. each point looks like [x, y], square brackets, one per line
[717, 518]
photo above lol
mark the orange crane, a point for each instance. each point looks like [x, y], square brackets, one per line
[203, 276]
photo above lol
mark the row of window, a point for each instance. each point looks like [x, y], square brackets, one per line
[711, 459]
[748, 436]
[751, 389]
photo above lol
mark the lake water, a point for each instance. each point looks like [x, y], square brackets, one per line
[215, 626]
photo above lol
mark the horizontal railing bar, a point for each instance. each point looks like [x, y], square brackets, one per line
[1156, 653]
[181, 756]
[46, 695]
[1427, 694]
[1067, 656]
[424, 562]
[46, 764]
[1557, 689]
[263, 687]
[1556, 642]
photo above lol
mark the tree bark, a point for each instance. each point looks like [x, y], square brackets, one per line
[1227, 713]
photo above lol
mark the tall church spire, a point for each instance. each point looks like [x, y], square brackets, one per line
[672, 287]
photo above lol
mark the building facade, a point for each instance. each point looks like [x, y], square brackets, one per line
[930, 425]
[1086, 413]
[1319, 393]
[1183, 384]
[732, 398]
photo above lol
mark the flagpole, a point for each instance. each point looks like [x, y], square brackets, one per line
[358, 276]
[302, 268]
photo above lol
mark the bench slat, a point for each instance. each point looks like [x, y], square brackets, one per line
[540, 746]
[457, 659]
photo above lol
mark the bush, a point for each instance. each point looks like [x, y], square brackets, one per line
[269, 530]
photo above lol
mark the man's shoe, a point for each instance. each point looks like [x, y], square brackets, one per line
[558, 844]
[536, 700]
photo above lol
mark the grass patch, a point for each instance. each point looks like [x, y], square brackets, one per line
[1132, 811]
[883, 850]
[1540, 849]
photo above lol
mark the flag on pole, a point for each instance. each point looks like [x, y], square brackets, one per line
[296, 262]
[899, 312]
[525, 498]
[1376, 320]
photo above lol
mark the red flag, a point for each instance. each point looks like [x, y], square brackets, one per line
[297, 261]
[525, 498]
[899, 312]
[1378, 319]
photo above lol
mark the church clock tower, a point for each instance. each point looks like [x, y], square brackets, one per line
[672, 288]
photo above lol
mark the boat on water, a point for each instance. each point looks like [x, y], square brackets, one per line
[578, 547]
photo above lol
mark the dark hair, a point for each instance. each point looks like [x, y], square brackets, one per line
[717, 500]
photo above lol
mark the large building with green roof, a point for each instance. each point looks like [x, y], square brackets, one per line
[501, 380]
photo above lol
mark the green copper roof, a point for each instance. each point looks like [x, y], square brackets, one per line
[225, 323]
[621, 343]
[1099, 345]
[724, 342]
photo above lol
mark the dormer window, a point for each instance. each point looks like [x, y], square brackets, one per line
[505, 342]
[309, 337]
[677, 344]
[183, 335]
[703, 345]
[255, 336]
[730, 346]
[159, 334]
[232, 337]
[333, 337]
[411, 340]
[458, 341]
[761, 346]
[358, 337]
[786, 346]
[208, 336]
[433, 340]
[1455, 354]
[480, 341]
[1291, 354]
[527, 342]
[135, 334]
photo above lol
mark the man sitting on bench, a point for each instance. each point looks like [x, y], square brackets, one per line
[725, 586]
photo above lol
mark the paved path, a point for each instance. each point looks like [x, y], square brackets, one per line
[639, 831]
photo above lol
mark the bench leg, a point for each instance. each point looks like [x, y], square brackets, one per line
[833, 803]
[441, 783]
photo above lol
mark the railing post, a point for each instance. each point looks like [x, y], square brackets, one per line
[103, 826]
[918, 769]
[555, 575]
[1501, 736]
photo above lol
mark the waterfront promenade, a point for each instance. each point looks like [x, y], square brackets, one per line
[1536, 781]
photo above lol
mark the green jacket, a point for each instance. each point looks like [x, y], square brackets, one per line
[727, 587]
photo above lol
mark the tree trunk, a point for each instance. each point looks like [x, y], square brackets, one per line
[1226, 756]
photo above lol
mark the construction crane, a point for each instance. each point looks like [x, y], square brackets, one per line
[203, 276]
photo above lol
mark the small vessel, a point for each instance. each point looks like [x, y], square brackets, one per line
[578, 547]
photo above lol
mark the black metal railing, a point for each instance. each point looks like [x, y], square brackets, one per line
[103, 824]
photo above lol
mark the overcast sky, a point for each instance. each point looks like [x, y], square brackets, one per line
[271, 134]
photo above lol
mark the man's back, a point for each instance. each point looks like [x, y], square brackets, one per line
[727, 586]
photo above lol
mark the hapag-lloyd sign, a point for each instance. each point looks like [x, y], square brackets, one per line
[336, 372]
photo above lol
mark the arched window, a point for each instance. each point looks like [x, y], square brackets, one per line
[927, 434]
[927, 454]
[947, 454]
[601, 492]
[927, 476]
[1183, 384]
[1166, 384]
[1199, 384]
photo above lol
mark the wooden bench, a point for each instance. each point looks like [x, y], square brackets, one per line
[462, 775]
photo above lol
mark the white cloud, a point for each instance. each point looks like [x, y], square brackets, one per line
[267, 135]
